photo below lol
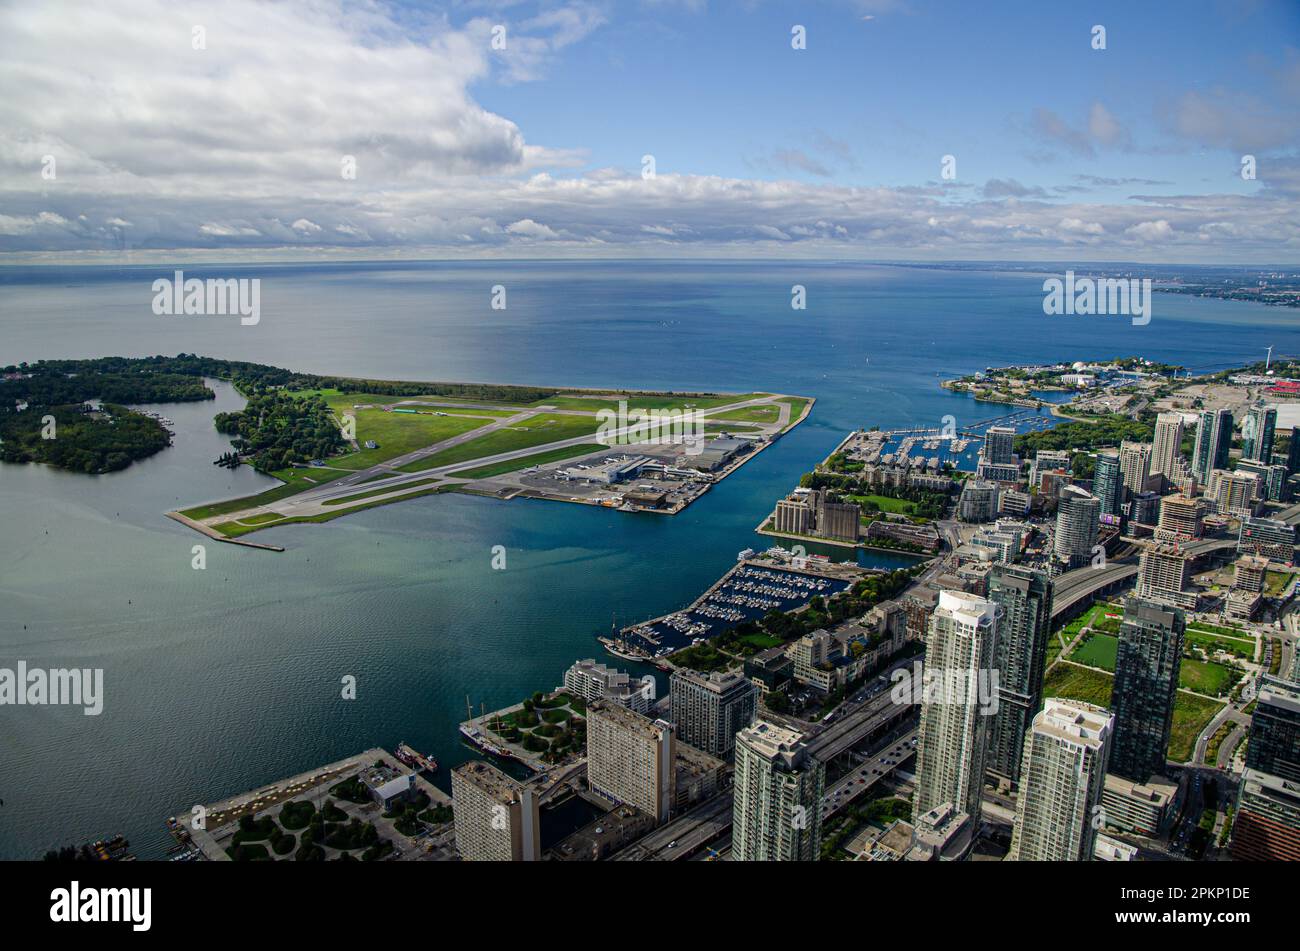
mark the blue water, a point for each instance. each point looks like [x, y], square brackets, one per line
[220, 680]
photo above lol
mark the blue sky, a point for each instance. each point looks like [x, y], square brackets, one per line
[1062, 151]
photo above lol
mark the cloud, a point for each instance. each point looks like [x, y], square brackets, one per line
[239, 149]
[1010, 188]
[1099, 130]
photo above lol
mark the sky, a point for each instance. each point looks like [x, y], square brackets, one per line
[1161, 132]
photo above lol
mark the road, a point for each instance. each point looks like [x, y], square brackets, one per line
[863, 778]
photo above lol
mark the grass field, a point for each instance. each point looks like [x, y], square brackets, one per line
[400, 433]
[1098, 650]
[887, 504]
[523, 462]
[234, 529]
[1207, 677]
[296, 480]
[534, 431]
[594, 404]
[767, 413]
[1191, 714]
[1212, 642]
[1275, 582]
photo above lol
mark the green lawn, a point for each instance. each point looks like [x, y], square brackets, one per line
[295, 481]
[400, 433]
[536, 430]
[767, 413]
[523, 462]
[1211, 642]
[1191, 714]
[1275, 582]
[594, 404]
[1078, 683]
[1208, 678]
[887, 504]
[1097, 650]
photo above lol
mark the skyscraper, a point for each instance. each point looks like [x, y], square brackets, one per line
[1267, 824]
[1293, 452]
[496, 816]
[1164, 574]
[1063, 773]
[1167, 444]
[1213, 440]
[631, 758]
[998, 444]
[1257, 434]
[776, 796]
[1024, 596]
[1147, 662]
[1108, 482]
[1135, 464]
[708, 710]
[1077, 523]
[953, 738]
[1275, 730]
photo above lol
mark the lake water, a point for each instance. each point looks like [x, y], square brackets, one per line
[220, 680]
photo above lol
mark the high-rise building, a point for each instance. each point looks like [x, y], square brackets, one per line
[1181, 518]
[838, 520]
[496, 816]
[978, 501]
[1250, 573]
[1266, 827]
[1048, 460]
[1108, 483]
[1213, 440]
[1164, 574]
[1077, 524]
[1293, 452]
[999, 442]
[1257, 434]
[708, 710]
[1271, 538]
[1147, 662]
[1271, 477]
[776, 796]
[1235, 492]
[1024, 596]
[1166, 444]
[1063, 775]
[952, 741]
[1135, 465]
[630, 758]
[1274, 745]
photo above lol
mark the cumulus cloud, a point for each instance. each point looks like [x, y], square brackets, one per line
[245, 146]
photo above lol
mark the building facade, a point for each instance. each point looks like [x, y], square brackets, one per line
[631, 758]
[708, 710]
[1064, 772]
[1024, 599]
[953, 738]
[1147, 662]
[496, 817]
[776, 796]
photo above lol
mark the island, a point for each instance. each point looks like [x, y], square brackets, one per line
[341, 444]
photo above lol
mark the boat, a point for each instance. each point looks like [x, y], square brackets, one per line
[416, 761]
[481, 742]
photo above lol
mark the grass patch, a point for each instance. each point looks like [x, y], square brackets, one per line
[595, 403]
[1191, 714]
[523, 462]
[1071, 682]
[1208, 678]
[536, 430]
[767, 413]
[1097, 650]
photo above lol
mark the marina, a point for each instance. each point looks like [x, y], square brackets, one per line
[776, 581]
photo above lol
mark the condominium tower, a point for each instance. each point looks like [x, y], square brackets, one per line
[1024, 596]
[776, 796]
[496, 816]
[1147, 662]
[1063, 774]
[708, 710]
[953, 738]
[631, 758]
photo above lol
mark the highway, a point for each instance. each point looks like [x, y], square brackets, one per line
[682, 836]
[863, 778]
